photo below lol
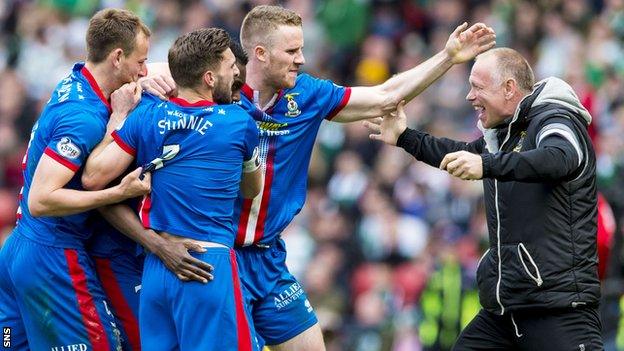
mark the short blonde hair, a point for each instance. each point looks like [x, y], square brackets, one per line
[262, 21]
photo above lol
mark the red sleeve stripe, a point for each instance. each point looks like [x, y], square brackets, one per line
[60, 159]
[122, 144]
[341, 105]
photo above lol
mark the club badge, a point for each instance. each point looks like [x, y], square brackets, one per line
[293, 108]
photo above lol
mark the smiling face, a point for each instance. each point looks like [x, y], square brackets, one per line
[285, 56]
[489, 95]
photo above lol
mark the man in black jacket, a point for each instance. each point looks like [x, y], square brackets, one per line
[538, 281]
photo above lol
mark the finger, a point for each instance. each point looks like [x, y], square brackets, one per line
[401, 107]
[477, 26]
[448, 158]
[459, 29]
[192, 276]
[197, 266]
[171, 85]
[486, 38]
[182, 277]
[375, 137]
[194, 247]
[373, 127]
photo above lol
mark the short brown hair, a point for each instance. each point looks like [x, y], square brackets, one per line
[260, 23]
[110, 29]
[194, 53]
[511, 64]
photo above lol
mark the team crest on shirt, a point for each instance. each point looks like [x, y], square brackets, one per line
[66, 148]
[292, 106]
[518, 147]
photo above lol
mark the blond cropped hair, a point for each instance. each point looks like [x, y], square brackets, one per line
[260, 23]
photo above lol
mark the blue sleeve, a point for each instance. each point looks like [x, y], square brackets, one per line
[127, 134]
[73, 138]
[251, 139]
[330, 98]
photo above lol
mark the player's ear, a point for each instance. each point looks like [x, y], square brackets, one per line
[261, 53]
[115, 56]
[209, 79]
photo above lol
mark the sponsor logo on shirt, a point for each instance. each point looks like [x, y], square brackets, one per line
[66, 148]
[291, 105]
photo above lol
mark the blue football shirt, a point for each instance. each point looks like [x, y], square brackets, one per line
[193, 194]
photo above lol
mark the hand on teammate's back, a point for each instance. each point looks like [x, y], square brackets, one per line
[133, 186]
[390, 127]
[464, 44]
[161, 85]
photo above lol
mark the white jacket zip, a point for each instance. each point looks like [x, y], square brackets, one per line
[538, 279]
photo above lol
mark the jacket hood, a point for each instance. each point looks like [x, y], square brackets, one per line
[557, 91]
[550, 90]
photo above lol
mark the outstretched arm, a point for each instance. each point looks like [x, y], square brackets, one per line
[392, 129]
[463, 45]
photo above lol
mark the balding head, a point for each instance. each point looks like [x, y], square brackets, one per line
[509, 64]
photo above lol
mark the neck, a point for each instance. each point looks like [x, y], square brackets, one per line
[102, 76]
[255, 79]
[193, 95]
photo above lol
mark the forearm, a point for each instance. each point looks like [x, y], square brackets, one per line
[369, 102]
[409, 84]
[63, 202]
[550, 163]
[432, 150]
[126, 221]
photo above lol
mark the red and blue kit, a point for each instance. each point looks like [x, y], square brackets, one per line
[201, 149]
[49, 291]
[288, 128]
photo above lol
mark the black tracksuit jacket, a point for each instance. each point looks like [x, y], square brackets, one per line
[540, 195]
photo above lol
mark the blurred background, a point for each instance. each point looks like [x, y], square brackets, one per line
[386, 247]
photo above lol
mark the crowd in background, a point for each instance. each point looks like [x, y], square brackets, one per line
[386, 247]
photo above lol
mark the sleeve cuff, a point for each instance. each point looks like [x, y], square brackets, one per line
[122, 144]
[58, 158]
[408, 140]
[343, 102]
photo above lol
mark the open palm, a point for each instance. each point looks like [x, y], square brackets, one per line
[464, 44]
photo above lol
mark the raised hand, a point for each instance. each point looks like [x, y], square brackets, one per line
[162, 86]
[464, 44]
[390, 127]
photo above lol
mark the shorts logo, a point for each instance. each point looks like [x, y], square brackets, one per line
[68, 149]
[292, 293]
[308, 305]
[293, 108]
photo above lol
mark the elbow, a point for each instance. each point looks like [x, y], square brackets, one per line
[37, 207]
[90, 182]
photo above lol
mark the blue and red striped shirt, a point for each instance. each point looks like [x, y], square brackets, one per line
[288, 129]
